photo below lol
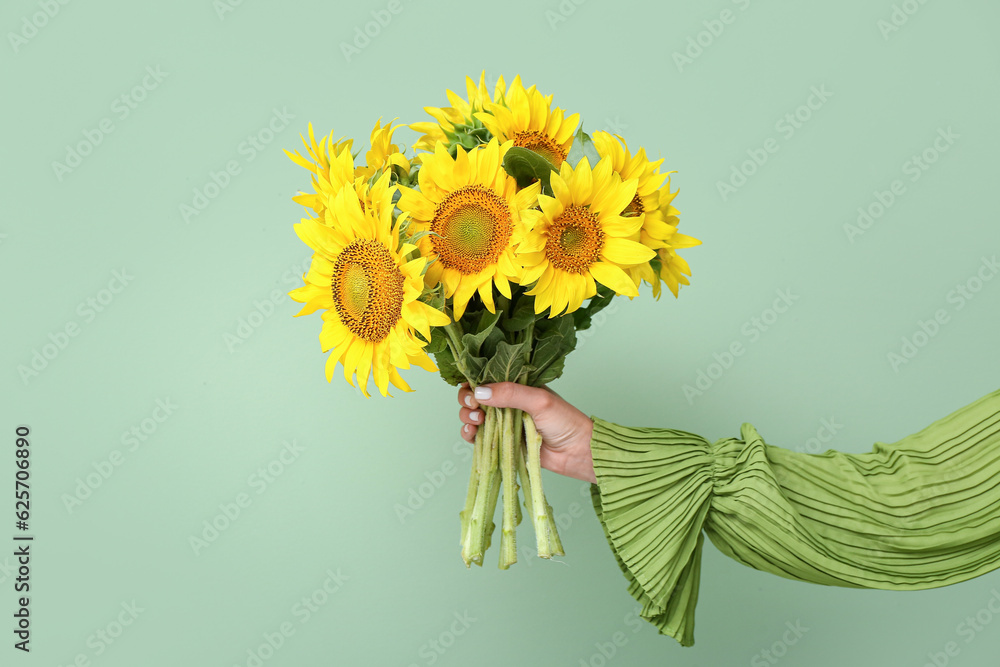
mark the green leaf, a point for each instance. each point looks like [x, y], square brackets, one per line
[551, 348]
[546, 353]
[438, 342]
[582, 147]
[448, 368]
[489, 346]
[488, 320]
[552, 372]
[582, 316]
[473, 342]
[506, 364]
[526, 166]
[522, 316]
[473, 364]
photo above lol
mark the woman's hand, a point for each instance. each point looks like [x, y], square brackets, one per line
[565, 431]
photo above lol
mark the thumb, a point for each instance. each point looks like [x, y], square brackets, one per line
[513, 395]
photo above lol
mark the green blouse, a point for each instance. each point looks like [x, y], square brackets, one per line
[920, 513]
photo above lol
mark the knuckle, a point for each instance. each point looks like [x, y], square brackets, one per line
[545, 400]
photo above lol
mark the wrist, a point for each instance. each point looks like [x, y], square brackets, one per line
[579, 462]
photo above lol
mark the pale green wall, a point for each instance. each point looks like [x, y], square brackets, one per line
[332, 509]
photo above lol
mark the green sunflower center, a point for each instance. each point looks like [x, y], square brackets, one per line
[634, 208]
[575, 240]
[471, 226]
[542, 144]
[367, 289]
[354, 290]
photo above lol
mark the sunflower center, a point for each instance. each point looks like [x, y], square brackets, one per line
[542, 144]
[575, 240]
[634, 208]
[367, 289]
[471, 226]
[354, 290]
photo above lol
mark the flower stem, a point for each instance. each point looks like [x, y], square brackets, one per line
[556, 543]
[470, 498]
[522, 468]
[508, 538]
[539, 507]
[481, 520]
[518, 443]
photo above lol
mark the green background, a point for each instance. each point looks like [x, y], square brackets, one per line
[334, 506]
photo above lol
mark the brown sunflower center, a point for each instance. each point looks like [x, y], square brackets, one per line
[542, 144]
[634, 208]
[367, 289]
[575, 240]
[471, 226]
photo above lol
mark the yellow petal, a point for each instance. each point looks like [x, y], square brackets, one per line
[583, 183]
[623, 251]
[613, 277]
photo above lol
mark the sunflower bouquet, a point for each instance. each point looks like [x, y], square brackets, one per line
[503, 234]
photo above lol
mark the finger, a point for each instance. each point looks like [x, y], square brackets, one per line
[468, 432]
[465, 396]
[472, 417]
[512, 395]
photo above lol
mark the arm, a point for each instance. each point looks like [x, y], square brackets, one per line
[920, 513]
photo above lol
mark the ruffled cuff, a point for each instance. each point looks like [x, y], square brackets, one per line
[654, 487]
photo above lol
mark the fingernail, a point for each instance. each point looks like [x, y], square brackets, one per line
[475, 415]
[465, 429]
[468, 400]
[483, 393]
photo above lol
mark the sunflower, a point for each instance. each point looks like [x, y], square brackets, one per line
[526, 117]
[652, 203]
[623, 163]
[368, 291]
[471, 212]
[459, 113]
[579, 238]
[332, 165]
[672, 267]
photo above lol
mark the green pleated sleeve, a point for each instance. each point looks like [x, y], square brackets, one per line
[920, 513]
